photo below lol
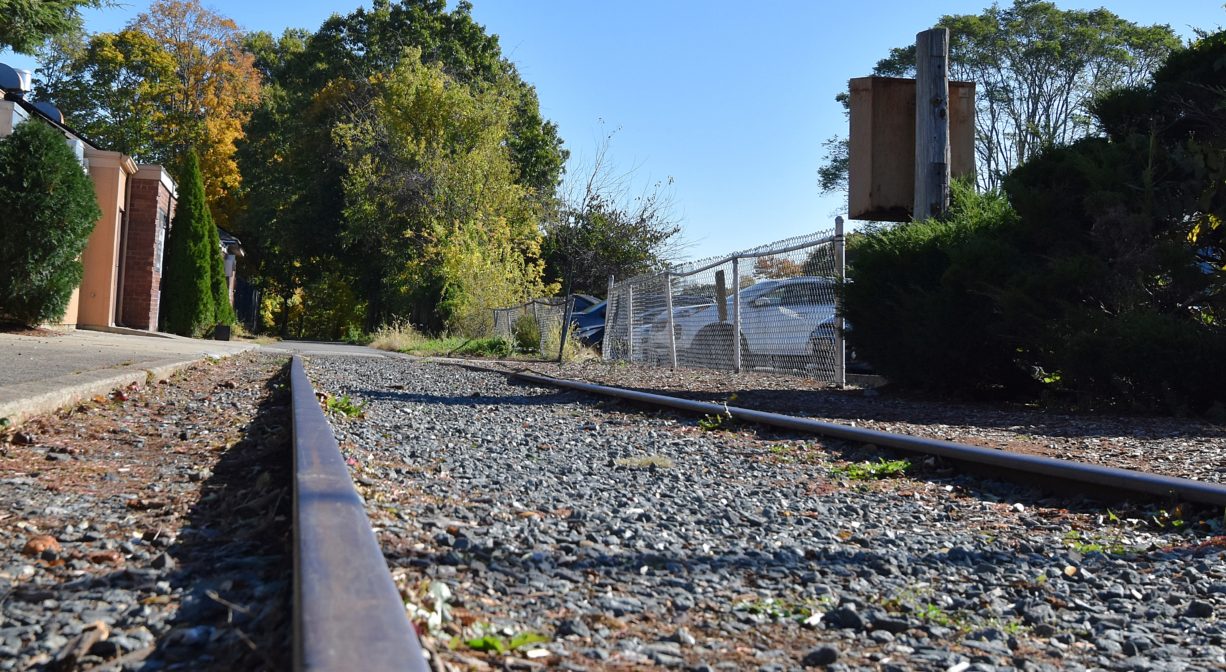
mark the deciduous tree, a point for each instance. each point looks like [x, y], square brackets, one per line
[599, 229]
[431, 196]
[331, 78]
[175, 78]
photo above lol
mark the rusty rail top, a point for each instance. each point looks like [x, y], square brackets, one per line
[348, 614]
[1110, 477]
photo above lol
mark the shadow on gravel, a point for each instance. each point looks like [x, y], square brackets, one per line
[978, 481]
[558, 397]
[853, 406]
[233, 559]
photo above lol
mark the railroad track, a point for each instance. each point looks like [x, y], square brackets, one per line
[348, 608]
[528, 523]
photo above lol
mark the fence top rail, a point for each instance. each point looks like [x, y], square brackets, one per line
[552, 302]
[779, 247]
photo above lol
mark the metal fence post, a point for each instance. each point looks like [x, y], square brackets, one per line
[630, 323]
[608, 313]
[736, 315]
[840, 268]
[668, 311]
[566, 310]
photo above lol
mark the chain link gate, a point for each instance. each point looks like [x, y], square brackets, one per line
[545, 315]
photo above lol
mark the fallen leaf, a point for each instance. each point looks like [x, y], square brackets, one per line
[36, 545]
[110, 557]
[145, 504]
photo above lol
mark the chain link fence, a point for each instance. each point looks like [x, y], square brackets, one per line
[772, 307]
[531, 326]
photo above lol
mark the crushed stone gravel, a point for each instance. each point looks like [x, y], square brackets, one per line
[1182, 447]
[535, 528]
[149, 529]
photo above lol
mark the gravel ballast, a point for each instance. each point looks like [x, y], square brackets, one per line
[148, 529]
[531, 527]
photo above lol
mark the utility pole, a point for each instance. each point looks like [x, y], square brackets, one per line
[931, 124]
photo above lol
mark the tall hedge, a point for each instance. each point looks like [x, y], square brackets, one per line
[49, 211]
[187, 306]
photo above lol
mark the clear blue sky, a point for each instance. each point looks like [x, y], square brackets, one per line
[730, 99]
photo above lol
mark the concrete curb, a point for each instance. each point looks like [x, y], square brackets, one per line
[36, 399]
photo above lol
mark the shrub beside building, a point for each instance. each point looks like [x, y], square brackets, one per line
[50, 210]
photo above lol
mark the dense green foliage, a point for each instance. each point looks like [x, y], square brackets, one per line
[341, 180]
[1103, 275]
[431, 195]
[921, 303]
[194, 298]
[26, 24]
[49, 211]
[1036, 69]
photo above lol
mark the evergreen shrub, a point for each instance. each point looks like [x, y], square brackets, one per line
[49, 211]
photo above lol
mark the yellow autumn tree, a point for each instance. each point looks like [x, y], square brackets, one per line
[216, 86]
[176, 78]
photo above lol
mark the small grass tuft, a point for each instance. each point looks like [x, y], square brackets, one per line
[486, 637]
[345, 406]
[869, 471]
[398, 336]
[645, 462]
[717, 422]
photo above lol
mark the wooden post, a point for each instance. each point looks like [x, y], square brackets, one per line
[931, 124]
[721, 296]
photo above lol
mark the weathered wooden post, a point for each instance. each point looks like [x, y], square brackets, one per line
[931, 124]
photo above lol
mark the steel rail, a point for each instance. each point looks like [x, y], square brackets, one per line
[1113, 478]
[348, 614]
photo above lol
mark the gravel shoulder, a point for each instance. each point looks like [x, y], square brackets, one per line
[148, 528]
[1187, 448]
[536, 528]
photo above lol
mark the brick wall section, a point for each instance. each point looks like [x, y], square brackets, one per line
[141, 283]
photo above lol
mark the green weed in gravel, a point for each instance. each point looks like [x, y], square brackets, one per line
[869, 471]
[345, 406]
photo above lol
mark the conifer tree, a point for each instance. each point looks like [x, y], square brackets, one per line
[223, 312]
[187, 290]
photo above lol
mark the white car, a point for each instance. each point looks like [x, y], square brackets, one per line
[778, 319]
